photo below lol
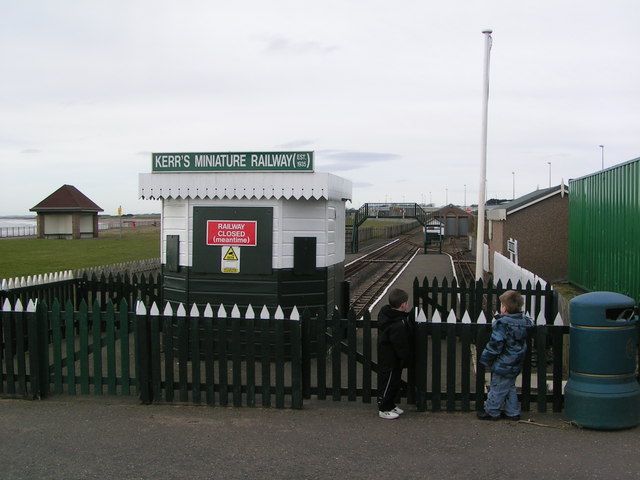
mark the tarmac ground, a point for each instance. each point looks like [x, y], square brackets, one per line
[67, 437]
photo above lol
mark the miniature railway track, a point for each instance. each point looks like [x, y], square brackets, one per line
[462, 261]
[372, 273]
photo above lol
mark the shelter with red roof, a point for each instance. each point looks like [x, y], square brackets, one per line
[67, 213]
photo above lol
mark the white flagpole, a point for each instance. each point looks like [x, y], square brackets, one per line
[483, 162]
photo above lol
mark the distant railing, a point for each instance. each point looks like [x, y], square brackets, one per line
[24, 231]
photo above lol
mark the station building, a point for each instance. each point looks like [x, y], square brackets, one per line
[259, 228]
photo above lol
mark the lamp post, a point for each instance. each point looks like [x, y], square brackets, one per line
[513, 193]
[483, 158]
[602, 150]
[465, 196]
[549, 163]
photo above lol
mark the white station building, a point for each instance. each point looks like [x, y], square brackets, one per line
[259, 228]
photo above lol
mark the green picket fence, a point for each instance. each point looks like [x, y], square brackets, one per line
[252, 359]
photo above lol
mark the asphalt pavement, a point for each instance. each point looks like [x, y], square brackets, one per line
[86, 437]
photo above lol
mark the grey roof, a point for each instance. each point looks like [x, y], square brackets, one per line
[530, 199]
[535, 196]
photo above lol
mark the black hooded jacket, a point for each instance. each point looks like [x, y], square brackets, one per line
[394, 338]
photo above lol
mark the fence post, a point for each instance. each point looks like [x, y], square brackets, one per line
[296, 360]
[421, 347]
[144, 351]
[43, 347]
[34, 351]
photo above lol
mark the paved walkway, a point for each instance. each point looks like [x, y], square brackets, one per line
[117, 438]
[422, 265]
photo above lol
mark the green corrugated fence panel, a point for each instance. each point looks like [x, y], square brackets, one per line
[604, 233]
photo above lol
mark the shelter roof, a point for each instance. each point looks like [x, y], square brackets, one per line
[219, 185]
[66, 199]
[452, 210]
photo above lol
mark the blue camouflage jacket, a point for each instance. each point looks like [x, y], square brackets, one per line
[505, 351]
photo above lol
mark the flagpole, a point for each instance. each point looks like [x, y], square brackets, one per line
[483, 160]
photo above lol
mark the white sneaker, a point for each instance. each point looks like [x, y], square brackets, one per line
[397, 410]
[388, 415]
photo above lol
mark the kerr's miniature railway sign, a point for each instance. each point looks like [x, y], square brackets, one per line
[233, 162]
[232, 232]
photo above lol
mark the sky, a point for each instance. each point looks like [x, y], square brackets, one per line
[387, 94]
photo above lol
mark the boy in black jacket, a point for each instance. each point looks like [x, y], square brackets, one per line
[394, 351]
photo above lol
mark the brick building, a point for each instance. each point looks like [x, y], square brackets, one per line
[536, 227]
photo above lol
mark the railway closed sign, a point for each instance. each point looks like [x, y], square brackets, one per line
[232, 232]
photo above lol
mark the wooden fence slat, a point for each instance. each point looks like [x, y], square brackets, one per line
[305, 333]
[321, 364]
[336, 361]
[183, 357]
[541, 350]
[482, 331]
[525, 397]
[451, 366]
[251, 360]
[236, 345]
[421, 349]
[70, 349]
[265, 361]
[209, 359]
[465, 367]
[21, 353]
[168, 329]
[95, 327]
[195, 359]
[277, 339]
[367, 351]
[352, 342]
[34, 354]
[155, 355]
[296, 363]
[557, 346]
[125, 370]
[436, 362]
[143, 349]
[110, 337]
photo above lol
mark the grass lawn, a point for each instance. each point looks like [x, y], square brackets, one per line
[20, 257]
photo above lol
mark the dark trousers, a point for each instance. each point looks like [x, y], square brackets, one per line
[388, 388]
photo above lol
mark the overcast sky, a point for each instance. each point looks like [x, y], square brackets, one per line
[387, 94]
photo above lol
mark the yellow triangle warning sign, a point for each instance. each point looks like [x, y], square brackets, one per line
[230, 255]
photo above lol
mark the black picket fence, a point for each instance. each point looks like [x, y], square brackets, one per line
[90, 287]
[256, 359]
[478, 298]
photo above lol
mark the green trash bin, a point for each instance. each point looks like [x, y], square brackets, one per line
[603, 391]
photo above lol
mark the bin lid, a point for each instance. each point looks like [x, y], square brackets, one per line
[601, 309]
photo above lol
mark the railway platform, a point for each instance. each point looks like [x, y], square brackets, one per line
[430, 265]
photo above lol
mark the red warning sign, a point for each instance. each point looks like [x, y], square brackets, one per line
[232, 232]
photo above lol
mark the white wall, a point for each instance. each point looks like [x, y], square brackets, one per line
[291, 218]
[505, 270]
[86, 223]
[57, 224]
